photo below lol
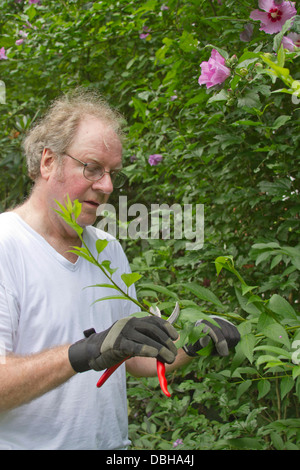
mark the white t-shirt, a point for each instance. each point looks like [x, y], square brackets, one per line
[45, 301]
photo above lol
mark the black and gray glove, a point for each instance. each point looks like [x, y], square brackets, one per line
[224, 337]
[130, 336]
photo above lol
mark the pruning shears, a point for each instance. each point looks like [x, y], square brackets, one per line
[159, 365]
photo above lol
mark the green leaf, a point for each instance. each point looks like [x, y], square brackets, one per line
[275, 363]
[275, 350]
[75, 209]
[106, 265]
[266, 358]
[263, 257]
[68, 212]
[101, 245]
[277, 441]
[226, 262]
[244, 370]
[243, 301]
[263, 387]
[83, 253]
[275, 261]
[113, 297]
[221, 96]
[249, 99]
[281, 121]
[111, 286]
[246, 289]
[202, 293]
[131, 278]
[277, 333]
[296, 372]
[243, 387]
[294, 253]
[282, 307]
[281, 56]
[139, 107]
[286, 385]
[264, 320]
[247, 345]
[234, 82]
[31, 12]
[193, 314]
[247, 58]
[160, 289]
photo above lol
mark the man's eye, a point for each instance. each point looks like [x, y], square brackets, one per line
[94, 170]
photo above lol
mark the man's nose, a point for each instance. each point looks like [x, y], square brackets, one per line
[105, 184]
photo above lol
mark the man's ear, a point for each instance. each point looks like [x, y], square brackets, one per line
[48, 161]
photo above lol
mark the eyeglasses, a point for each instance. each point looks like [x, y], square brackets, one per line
[94, 172]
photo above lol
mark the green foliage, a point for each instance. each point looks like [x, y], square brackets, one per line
[233, 148]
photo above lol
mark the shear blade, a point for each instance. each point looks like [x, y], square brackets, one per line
[175, 314]
[155, 311]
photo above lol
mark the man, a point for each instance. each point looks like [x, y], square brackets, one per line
[48, 370]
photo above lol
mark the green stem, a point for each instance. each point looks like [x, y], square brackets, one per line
[125, 294]
[264, 378]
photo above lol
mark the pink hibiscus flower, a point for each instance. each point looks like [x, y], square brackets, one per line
[2, 54]
[274, 15]
[214, 71]
[291, 41]
[154, 159]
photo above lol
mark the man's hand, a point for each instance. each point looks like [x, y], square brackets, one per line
[128, 337]
[225, 337]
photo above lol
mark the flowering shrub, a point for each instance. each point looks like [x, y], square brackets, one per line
[230, 143]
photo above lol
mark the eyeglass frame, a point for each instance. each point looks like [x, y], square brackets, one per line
[111, 173]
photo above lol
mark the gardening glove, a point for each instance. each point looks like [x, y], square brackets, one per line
[130, 336]
[225, 337]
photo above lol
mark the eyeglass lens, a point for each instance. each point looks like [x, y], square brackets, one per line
[95, 172]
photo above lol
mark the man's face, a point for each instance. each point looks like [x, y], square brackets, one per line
[94, 142]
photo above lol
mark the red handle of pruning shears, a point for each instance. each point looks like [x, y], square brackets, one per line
[108, 373]
[161, 368]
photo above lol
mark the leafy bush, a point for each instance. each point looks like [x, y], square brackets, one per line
[232, 148]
